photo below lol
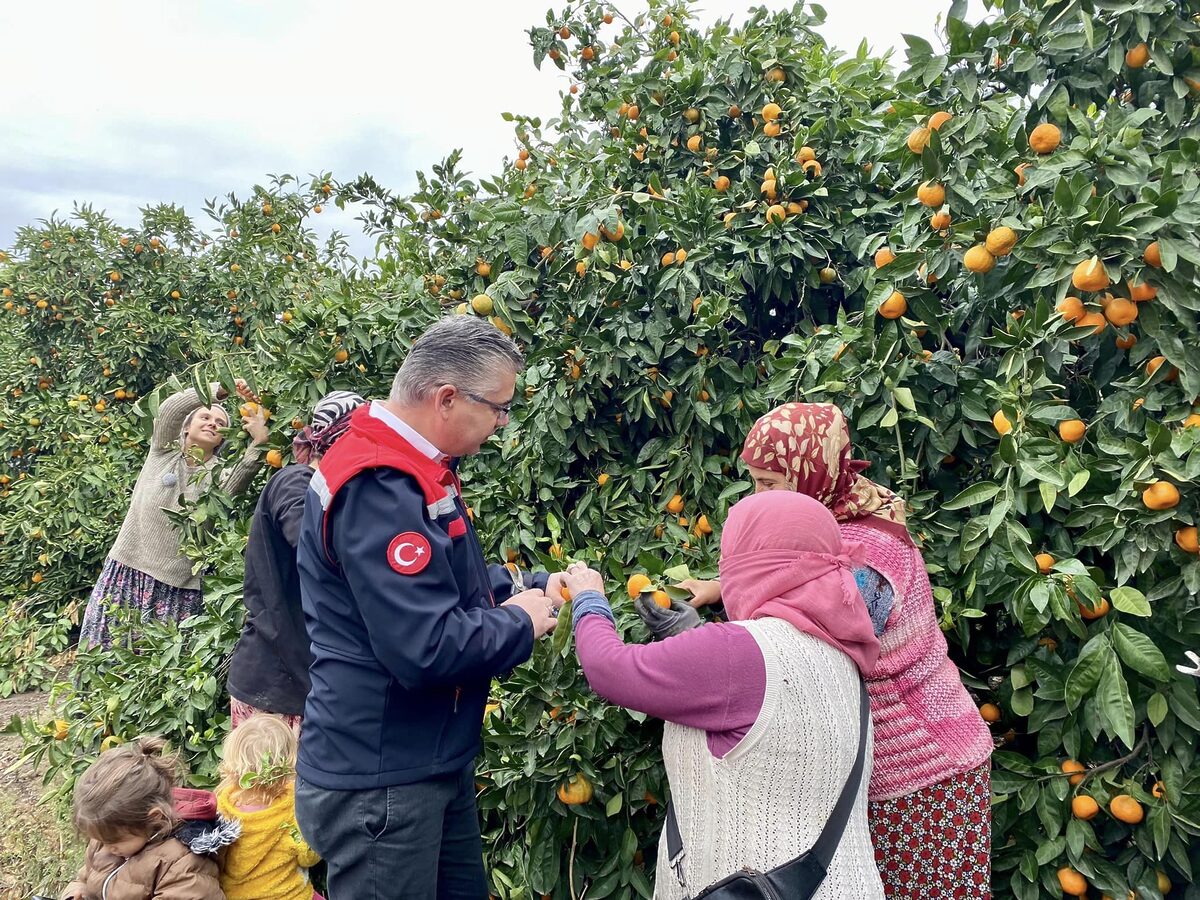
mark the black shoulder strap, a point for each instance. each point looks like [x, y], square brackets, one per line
[831, 835]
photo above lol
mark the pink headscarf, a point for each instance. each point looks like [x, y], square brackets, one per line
[782, 556]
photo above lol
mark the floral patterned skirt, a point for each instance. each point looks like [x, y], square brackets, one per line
[239, 712]
[936, 843]
[120, 585]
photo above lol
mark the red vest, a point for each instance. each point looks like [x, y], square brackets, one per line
[371, 443]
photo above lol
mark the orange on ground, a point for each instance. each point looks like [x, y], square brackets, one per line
[1075, 769]
[931, 194]
[1072, 430]
[1160, 495]
[1000, 241]
[1045, 562]
[1000, 422]
[1187, 539]
[894, 306]
[1090, 275]
[1126, 809]
[979, 260]
[1045, 138]
[1084, 807]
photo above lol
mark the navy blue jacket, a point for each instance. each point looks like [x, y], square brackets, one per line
[402, 662]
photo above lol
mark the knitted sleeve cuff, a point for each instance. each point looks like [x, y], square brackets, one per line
[590, 603]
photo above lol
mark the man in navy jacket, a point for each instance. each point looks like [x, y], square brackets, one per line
[408, 626]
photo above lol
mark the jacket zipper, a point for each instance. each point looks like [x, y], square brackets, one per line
[111, 876]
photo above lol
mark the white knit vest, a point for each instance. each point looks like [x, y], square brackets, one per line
[767, 800]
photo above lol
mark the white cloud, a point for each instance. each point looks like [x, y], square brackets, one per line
[124, 105]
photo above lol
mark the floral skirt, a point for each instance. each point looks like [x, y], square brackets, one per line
[120, 585]
[936, 843]
[239, 712]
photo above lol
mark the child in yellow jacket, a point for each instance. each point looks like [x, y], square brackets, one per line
[270, 860]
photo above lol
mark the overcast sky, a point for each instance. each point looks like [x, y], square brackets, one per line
[124, 104]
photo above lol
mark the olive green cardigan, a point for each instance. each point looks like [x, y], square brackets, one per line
[148, 540]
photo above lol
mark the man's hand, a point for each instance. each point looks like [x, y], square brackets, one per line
[243, 391]
[256, 426]
[579, 578]
[542, 610]
[665, 622]
[554, 588]
[704, 593]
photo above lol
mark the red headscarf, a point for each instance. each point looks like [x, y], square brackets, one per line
[809, 445]
[782, 556]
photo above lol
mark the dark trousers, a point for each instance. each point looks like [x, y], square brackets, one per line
[406, 842]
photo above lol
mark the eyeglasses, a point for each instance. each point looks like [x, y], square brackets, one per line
[500, 409]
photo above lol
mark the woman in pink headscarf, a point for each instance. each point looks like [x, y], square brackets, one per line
[762, 712]
[930, 792]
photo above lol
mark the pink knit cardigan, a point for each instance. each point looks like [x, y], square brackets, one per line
[926, 726]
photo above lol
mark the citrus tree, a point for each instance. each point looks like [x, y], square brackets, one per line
[987, 259]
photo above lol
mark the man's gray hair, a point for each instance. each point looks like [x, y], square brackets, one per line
[462, 350]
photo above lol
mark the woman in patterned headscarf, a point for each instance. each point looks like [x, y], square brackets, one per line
[269, 669]
[930, 790]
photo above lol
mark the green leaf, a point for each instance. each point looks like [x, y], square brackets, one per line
[613, 806]
[1130, 600]
[1112, 697]
[976, 493]
[1156, 709]
[1140, 653]
[1085, 674]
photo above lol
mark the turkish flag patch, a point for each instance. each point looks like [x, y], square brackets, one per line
[409, 553]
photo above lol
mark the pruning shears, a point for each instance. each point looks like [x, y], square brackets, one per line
[1193, 669]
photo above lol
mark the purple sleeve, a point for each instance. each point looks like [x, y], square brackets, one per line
[712, 677]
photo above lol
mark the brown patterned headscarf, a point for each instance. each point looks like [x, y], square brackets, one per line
[809, 445]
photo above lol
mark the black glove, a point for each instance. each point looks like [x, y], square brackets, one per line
[665, 622]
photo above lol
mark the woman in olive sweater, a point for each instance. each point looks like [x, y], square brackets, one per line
[145, 570]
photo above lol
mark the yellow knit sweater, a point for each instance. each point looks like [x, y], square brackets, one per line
[268, 861]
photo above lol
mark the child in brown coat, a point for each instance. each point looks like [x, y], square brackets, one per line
[124, 806]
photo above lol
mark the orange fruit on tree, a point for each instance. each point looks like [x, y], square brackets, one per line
[1159, 791]
[1126, 809]
[938, 119]
[575, 790]
[1090, 275]
[1094, 319]
[776, 75]
[979, 260]
[918, 139]
[1156, 363]
[661, 598]
[776, 214]
[1192, 421]
[772, 129]
[1141, 292]
[1137, 56]
[990, 712]
[811, 167]
[894, 306]
[274, 459]
[675, 505]
[1074, 769]
[1020, 170]
[771, 112]
[1045, 138]
[1152, 256]
[1000, 422]
[1084, 807]
[1000, 241]
[768, 189]
[827, 275]
[939, 221]
[1121, 312]
[636, 584]
[1072, 883]
[590, 240]
[721, 183]
[616, 235]
[1045, 562]
[1160, 495]
[1127, 342]
[694, 143]
[1072, 430]
[931, 194]
[680, 255]
[341, 356]
[1099, 611]
[883, 256]
[804, 154]
[668, 258]
[602, 479]
[1187, 539]
[1164, 883]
